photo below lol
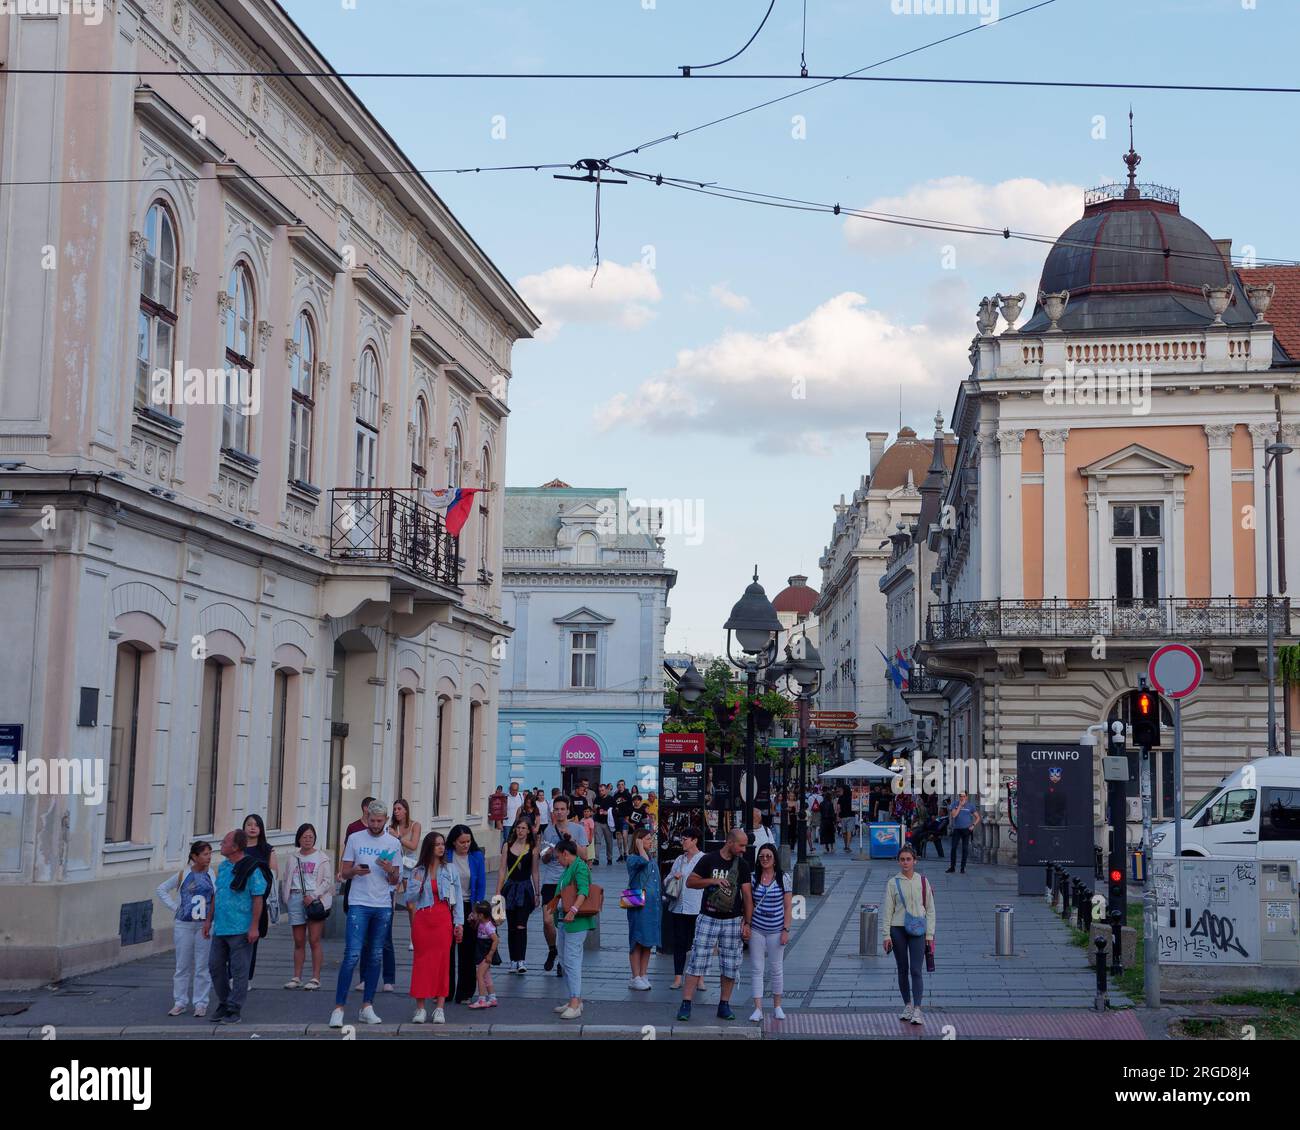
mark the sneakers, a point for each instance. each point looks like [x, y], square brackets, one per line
[906, 1014]
[684, 1011]
[293, 983]
[949, 871]
[778, 1013]
[176, 1010]
[642, 983]
[311, 986]
[724, 1011]
[571, 1013]
[219, 1013]
[561, 1007]
[390, 988]
[420, 1016]
[231, 1018]
[336, 1018]
[358, 986]
[368, 1015]
[479, 1002]
[439, 1017]
[200, 1010]
[756, 1016]
[551, 955]
[521, 968]
[916, 1015]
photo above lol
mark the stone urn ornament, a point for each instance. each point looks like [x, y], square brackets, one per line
[1260, 295]
[1219, 298]
[1012, 304]
[1054, 304]
[988, 315]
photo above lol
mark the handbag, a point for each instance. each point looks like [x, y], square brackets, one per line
[929, 957]
[673, 886]
[632, 900]
[273, 902]
[316, 910]
[914, 924]
[591, 905]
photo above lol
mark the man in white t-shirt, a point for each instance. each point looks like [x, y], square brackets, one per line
[372, 859]
[514, 802]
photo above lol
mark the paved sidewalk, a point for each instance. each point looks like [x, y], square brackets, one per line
[824, 973]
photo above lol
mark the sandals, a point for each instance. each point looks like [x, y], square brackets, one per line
[312, 985]
[295, 983]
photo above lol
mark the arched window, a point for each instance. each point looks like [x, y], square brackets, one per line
[240, 320]
[156, 329]
[367, 424]
[453, 458]
[420, 444]
[302, 382]
[587, 546]
[484, 527]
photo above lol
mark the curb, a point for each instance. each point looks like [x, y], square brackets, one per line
[392, 1031]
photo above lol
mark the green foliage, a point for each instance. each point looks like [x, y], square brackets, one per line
[1288, 663]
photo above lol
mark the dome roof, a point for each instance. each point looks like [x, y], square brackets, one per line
[796, 597]
[1134, 260]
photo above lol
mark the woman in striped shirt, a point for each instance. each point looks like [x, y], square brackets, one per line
[769, 930]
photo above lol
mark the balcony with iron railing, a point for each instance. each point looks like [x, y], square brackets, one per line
[1184, 618]
[390, 526]
[921, 682]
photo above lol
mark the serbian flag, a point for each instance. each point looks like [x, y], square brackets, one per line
[904, 665]
[455, 503]
[892, 671]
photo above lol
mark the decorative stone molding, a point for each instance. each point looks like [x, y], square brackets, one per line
[178, 17]
[1220, 435]
[355, 389]
[1261, 434]
[291, 349]
[386, 410]
[410, 432]
[189, 280]
[1054, 662]
[1221, 662]
[1054, 440]
[1291, 434]
[225, 303]
[1009, 662]
[264, 331]
[137, 247]
[1010, 441]
[323, 373]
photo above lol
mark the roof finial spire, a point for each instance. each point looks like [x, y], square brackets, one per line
[1132, 160]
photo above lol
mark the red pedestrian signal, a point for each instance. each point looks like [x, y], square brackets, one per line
[1144, 717]
[1117, 876]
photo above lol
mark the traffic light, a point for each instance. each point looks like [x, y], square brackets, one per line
[1117, 886]
[1144, 717]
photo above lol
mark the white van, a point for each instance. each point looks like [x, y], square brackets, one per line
[1253, 813]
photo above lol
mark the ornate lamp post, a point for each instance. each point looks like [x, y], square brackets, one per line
[803, 666]
[752, 627]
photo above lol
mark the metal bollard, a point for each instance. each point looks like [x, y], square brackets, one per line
[1083, 903]
[1066, 908]
[1100, 1003]
[1004, 931]
[869, 929]
[1047, 880]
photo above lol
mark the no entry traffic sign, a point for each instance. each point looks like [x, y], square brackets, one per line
[1175, 670]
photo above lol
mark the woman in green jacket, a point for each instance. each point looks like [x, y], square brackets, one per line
[571, 929]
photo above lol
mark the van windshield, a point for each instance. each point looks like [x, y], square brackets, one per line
[1196, 809]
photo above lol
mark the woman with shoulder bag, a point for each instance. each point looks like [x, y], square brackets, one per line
[643, 921]
[519, 881]
[909, 918]
[575, 893]
[769, 930]
[684, 904]
[307, 889]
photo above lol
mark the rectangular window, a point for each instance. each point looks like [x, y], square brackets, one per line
[1137, 544]
[124, 746]
[583, 660]
[205, 776]
[279, 722]
[1124, 574]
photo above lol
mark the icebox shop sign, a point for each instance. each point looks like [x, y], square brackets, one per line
[579, 751]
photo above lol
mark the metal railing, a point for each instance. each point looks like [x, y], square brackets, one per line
[389, 526]
[920, 682]
[1061, 618]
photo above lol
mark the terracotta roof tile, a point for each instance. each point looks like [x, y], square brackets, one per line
[1284, 310]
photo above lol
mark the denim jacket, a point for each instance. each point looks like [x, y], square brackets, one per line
[419, 892]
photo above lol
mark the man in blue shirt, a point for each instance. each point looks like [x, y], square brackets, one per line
[963, 819]
[233, 925]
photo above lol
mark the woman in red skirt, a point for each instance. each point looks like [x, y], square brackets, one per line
[435, 899]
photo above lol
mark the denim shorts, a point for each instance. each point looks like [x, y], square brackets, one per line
[297, 909]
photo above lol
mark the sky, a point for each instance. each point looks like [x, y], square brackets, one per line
[729, 358]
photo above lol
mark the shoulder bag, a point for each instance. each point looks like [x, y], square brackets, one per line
[591, 905]
[315, 910]
[914, 924]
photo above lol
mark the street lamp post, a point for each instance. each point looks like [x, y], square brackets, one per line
[1272, 453]
[754, 626]
[804, 666]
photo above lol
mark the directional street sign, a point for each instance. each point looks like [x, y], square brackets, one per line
[834, 716]
[783, 743]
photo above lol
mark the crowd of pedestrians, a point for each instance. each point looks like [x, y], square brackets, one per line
[709, 904]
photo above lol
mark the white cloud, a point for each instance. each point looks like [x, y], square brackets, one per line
[1021, 204]
[725, 296]
[618, 295]
[847, 359]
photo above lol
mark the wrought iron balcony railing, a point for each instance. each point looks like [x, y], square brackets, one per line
[921, 682]
[1183, 618]
[390, 526]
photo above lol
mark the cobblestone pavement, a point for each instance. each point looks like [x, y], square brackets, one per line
[830, 988]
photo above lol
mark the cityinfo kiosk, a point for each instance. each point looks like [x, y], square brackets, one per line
[1055, 801]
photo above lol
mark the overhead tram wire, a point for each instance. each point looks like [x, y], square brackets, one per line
[803, 73]
[795, 204]
[686, 70]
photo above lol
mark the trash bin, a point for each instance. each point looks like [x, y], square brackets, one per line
[1004, 931]
[869, 930]
[816, 878]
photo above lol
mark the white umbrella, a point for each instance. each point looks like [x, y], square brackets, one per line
[860, 769]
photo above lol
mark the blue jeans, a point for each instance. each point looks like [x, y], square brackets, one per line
[366, 929]
[570, 948]
[390, 956]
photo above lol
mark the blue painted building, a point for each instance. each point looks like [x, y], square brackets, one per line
[585, 588]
